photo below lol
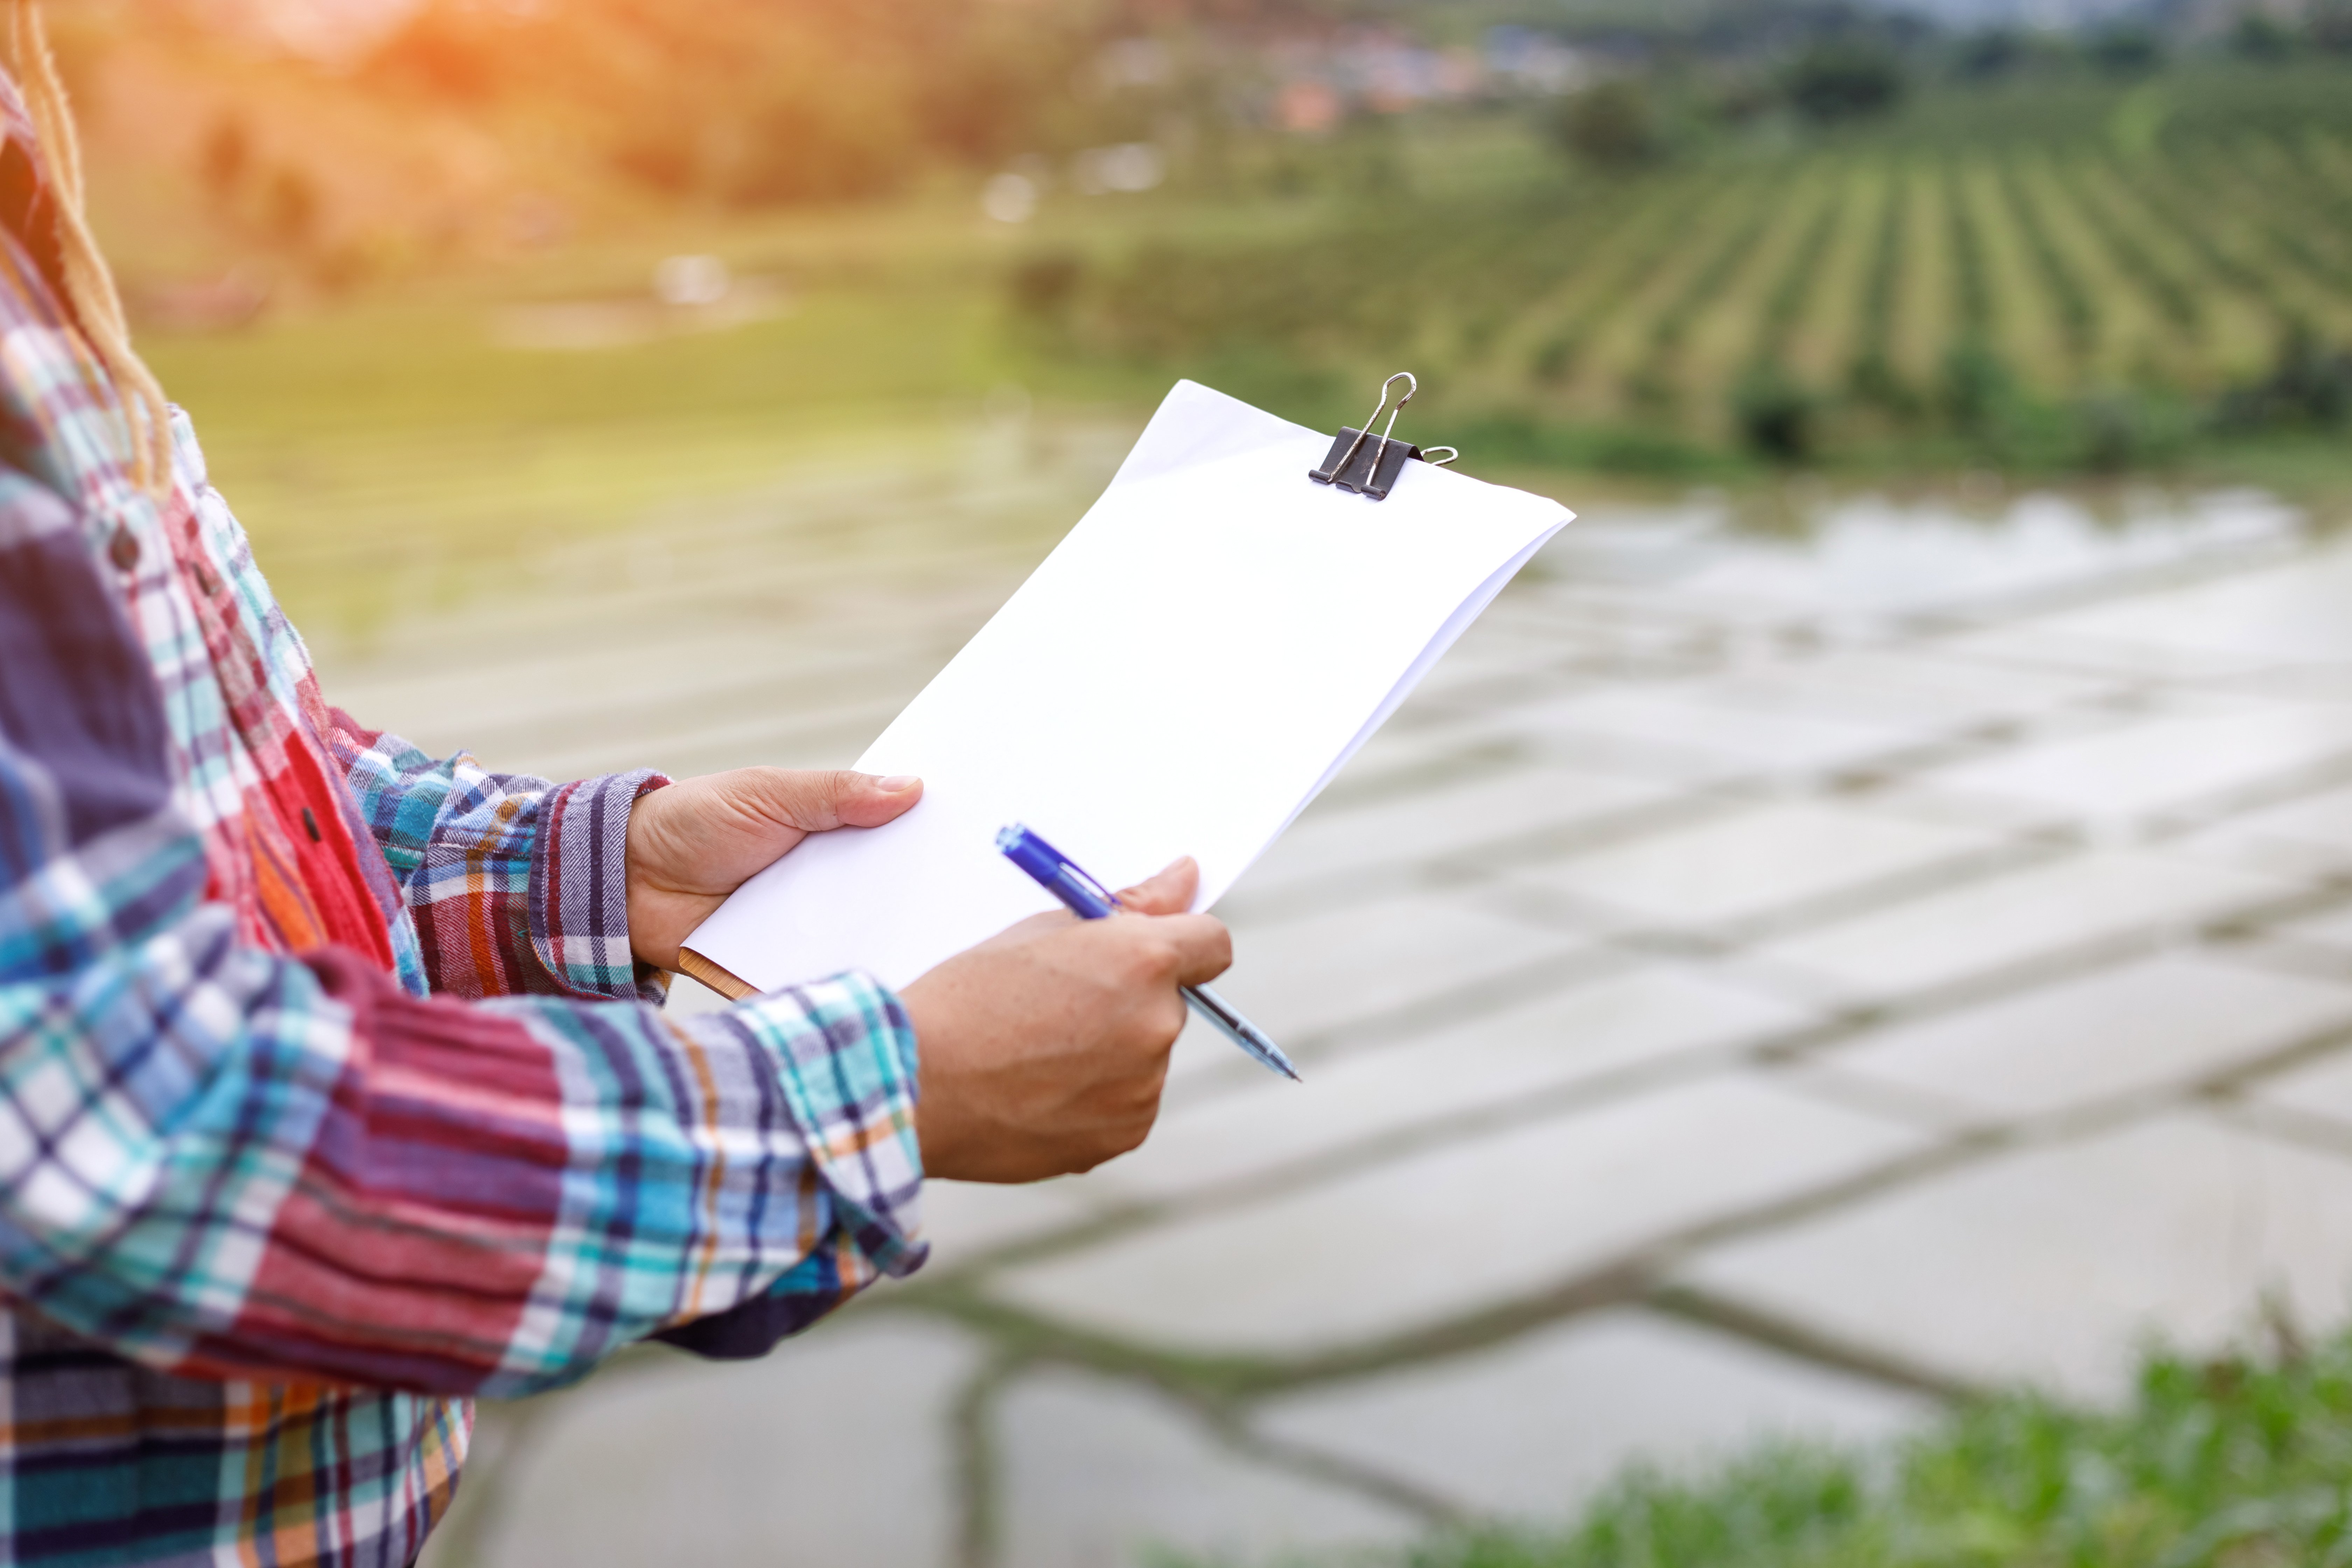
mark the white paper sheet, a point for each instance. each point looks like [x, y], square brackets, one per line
[1183, 676]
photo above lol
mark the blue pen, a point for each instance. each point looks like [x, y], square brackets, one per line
[1090, 900]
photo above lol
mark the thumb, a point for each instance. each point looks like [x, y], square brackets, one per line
[820, 801]
[1167, 893]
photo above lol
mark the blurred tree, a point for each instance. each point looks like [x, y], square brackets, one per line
[1741, 96]
[1611, 126]
[1977, 387]
[814, 145]
[1845, 78]
[2330, 26]
[995, 94]
[450, 51]
[2309, 385]
[1990, 54]
[290, 209]
[2126, 50]
[661, 159]
[1873, 379]
[1044, 288]
[1775, 413]
[2259, 36]
[226, 158]
[756, 101]
[2115, 431]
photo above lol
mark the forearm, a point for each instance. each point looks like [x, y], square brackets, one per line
[231, 1144]
[292, 1170]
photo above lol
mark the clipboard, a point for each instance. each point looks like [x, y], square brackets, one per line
[1213, 642]
[695, 967]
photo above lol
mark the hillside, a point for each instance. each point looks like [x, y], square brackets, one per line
[1879, 248]
[2082, 270]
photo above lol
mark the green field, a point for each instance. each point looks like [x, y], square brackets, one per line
[2060, 274]
[2042, 278]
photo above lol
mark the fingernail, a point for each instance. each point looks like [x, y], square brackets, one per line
[897, 783]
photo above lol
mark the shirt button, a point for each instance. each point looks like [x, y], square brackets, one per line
[122, 550]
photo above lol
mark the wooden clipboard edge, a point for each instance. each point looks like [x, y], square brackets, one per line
[694, 966]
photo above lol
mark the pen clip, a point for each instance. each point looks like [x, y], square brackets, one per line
[1089, 884]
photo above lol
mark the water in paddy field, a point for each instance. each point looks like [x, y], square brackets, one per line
[1658, 977]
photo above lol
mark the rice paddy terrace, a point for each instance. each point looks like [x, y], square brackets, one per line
[2040, 250]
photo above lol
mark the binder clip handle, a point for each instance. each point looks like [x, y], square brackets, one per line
[1371, 471]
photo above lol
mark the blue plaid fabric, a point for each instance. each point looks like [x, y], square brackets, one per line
[329, 1094]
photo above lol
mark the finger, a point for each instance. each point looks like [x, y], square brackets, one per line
[1167, 893]
[818, 802]
[1204, 948]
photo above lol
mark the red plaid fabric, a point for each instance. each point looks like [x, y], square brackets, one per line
[329, 1094]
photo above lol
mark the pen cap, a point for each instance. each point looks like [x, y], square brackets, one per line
[1029, 852]
[1050, 867]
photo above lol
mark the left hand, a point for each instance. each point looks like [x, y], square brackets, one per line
[694, 842]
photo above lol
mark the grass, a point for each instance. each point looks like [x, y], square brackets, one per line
[2224, 1464]
[385, 448]
[352, 442]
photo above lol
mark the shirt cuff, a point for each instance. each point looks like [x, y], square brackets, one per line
[846, 1062]
[849, 1066]
[580, 889]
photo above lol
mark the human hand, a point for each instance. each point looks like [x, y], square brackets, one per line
[1045, 1047]
[695, 841]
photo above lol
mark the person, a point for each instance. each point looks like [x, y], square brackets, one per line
[335, 1087]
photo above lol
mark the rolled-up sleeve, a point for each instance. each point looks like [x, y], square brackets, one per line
[225, 1161]
[519, 886]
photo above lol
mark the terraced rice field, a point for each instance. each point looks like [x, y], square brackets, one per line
[1858, 269]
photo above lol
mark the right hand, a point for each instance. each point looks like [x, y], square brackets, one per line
[1043, 1048]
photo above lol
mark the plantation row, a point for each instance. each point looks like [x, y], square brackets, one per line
[1883, 286]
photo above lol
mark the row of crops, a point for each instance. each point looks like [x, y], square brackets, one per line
[1806, 300]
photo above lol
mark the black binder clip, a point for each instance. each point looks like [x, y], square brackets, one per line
[1371, 471]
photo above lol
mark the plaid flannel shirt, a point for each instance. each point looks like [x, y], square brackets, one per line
[329, 1094]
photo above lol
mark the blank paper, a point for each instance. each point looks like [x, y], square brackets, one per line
[1181, 676]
